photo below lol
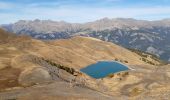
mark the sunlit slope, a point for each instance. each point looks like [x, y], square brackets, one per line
[20, 55]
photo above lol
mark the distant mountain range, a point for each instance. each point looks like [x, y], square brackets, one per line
[149, 36]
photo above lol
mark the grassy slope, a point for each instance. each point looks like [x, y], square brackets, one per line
[16, 53]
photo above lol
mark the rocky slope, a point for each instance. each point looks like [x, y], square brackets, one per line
[149, 36]
[40, 70]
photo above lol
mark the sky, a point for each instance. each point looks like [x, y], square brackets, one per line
[81, 11]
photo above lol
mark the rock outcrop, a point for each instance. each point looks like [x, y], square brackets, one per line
[34, 76]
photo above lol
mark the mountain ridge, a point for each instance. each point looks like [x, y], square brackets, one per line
[149, 36]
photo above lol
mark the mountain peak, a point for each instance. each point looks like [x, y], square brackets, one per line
[128, 32]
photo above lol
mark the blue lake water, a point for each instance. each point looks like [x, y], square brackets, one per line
[103, 68]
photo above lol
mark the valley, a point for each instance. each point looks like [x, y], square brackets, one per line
[84, 50]
[32, 69]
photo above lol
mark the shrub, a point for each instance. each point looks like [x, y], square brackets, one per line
[116, 59]
[111, 75]
[126, 73]
[126, 61]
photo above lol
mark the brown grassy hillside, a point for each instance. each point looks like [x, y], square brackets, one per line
[19, 53]
[25, 62]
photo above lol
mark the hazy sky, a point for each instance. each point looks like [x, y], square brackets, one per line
[82, 10]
